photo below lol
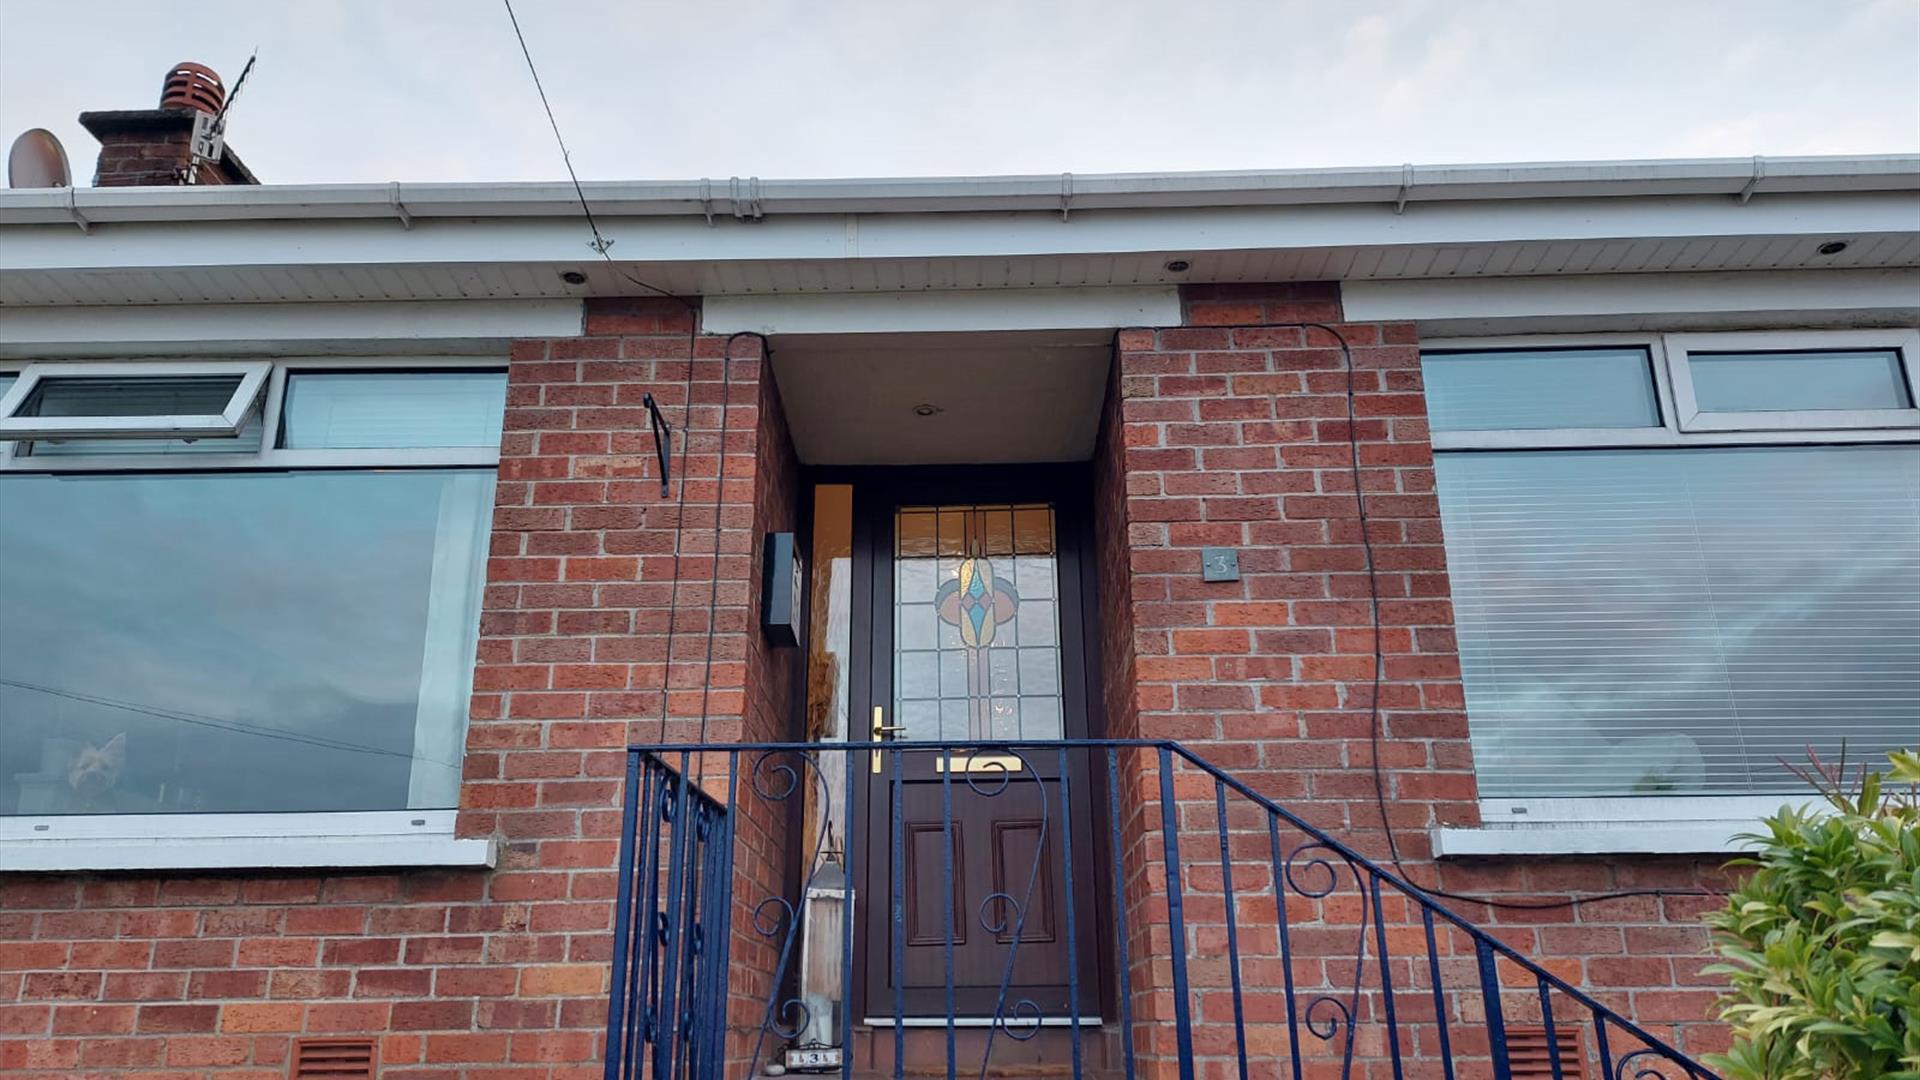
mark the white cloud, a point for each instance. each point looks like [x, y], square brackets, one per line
[436, 89]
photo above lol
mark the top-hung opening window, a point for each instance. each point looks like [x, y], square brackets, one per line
[198, 401]
[237, 588]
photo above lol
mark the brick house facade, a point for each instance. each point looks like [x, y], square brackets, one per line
[1229, 430]
[1237, 401]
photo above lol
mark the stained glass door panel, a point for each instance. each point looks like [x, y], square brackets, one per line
[976, 610]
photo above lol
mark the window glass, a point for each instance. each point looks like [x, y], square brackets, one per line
[130, 395]
[237, 642]
[247, 442]
[1540, 388]
[1676, 622]
[830, 643]
[360, 410]
[1783, 381]
[140, 395]
[976, 623]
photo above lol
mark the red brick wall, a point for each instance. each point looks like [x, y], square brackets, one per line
[152, 148]
[500, 974]
[1232, 430]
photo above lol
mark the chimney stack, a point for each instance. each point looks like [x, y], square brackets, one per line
[154, 147]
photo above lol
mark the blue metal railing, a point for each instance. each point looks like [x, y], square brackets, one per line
[1268, 947]
[667, 999]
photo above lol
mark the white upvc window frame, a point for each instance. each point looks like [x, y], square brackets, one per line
[243, 841]
[224, 424]
[1680, 349]
[1671, 824]
[1661, 349]
[270, 455]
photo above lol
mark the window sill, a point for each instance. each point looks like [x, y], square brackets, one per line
[1592, 838]
[407, 838]
[1638, 825]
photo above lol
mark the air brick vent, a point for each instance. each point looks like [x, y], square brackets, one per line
[332, 1059]
[1529, 1058]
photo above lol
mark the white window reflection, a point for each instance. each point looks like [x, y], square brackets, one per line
[237, 642]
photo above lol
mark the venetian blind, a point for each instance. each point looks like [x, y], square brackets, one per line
[338, 410]
[1642, 622]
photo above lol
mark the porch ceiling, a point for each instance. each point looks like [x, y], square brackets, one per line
[1003, 397]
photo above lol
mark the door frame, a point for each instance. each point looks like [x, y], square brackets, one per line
[1069, 487]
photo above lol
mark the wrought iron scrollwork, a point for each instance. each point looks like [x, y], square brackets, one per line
[781, 776]
[1024, 1010]
[678, 926]
[1651, 1071]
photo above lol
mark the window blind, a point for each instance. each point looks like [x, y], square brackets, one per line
[1540, 388]
[1673, 622]
[363, 410]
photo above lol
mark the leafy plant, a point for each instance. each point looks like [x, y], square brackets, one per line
[1822, 941]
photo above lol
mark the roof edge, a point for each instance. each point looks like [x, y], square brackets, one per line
[753, 198]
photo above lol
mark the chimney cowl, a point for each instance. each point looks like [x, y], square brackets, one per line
[154, 147]
[192, 86]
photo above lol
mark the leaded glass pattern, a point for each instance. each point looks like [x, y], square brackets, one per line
[976, 622]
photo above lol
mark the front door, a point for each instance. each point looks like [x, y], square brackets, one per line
[977, 622]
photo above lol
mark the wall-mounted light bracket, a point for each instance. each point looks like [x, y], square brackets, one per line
[662, 441]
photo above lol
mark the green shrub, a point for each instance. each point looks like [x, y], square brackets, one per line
[1822, 941]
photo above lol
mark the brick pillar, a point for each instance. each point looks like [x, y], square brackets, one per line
[1232, 431]
[615, 615]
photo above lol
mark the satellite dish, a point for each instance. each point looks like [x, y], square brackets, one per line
[37, 160]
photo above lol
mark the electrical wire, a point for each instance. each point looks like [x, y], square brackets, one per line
[679, 531]
[600, 243]
[719, 508]
[1375, 720]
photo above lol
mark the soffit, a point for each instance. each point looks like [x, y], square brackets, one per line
[1002, 397]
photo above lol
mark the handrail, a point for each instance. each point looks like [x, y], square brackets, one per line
[649, 837]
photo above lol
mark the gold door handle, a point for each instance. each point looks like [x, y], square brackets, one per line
[882, 731]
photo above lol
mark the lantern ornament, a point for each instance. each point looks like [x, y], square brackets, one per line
[823, 916]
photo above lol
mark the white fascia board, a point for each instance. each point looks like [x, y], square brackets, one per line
[403, 838]
[416, 326]
[981, 310]
[752, 196]
[1483, 305]
[561, 241]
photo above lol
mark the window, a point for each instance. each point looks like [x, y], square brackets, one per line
[1762, 382]
[1541, 388]
[1664, 611]
[285, 626]
[158, 400]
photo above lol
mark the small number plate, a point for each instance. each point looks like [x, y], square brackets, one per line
[826, 1057]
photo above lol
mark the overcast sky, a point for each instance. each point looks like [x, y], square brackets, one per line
[375, 90]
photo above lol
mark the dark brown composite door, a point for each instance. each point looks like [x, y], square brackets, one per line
[977, 630]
